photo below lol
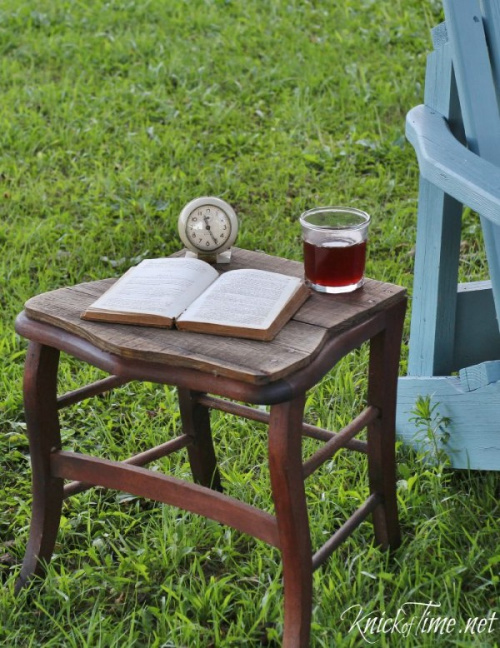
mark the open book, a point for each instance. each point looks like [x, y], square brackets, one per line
[190, 294]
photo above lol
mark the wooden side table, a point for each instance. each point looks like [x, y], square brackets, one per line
[208, 370]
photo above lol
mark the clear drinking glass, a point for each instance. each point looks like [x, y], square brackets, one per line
[335, 248]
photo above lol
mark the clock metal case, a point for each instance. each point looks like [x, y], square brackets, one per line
[221, 253]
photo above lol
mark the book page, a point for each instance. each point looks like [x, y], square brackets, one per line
[243, 298]
[162, 287]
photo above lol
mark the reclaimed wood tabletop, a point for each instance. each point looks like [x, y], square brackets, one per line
[317, 321]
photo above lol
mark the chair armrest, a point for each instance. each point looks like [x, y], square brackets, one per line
[452, 167]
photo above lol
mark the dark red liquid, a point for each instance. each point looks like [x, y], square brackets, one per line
[335, 265]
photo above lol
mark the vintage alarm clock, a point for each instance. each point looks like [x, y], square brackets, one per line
[208, 227]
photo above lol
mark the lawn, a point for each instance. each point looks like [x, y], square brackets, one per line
[114, 115]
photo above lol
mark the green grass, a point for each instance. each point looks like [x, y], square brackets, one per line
[114, 115]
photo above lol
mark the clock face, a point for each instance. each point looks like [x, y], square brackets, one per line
[208, 227]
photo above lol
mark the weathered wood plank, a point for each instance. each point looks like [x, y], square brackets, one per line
[338, 312]
[225, 356]
[293, 348]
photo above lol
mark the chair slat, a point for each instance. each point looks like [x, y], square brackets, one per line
[474, 76]
[491, 21]
[475, 79]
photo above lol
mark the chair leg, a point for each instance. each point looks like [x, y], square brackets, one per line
[196, 424]
[383, 374]
[40, 400]
[287, 483]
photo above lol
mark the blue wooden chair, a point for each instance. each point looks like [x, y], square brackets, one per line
[455, 335]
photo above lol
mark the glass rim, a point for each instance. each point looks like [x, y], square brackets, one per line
[338, 209]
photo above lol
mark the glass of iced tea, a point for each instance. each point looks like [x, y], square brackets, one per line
[334, 248]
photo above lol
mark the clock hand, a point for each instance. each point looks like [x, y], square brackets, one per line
[205, 218]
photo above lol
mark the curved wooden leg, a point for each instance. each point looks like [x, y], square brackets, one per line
[196, 424]
[40, 401]
[383, 375]
[287, 482]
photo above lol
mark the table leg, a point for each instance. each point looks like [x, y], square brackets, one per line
[383, 374]
[287, 483]
[40, 400]
[196, 424]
